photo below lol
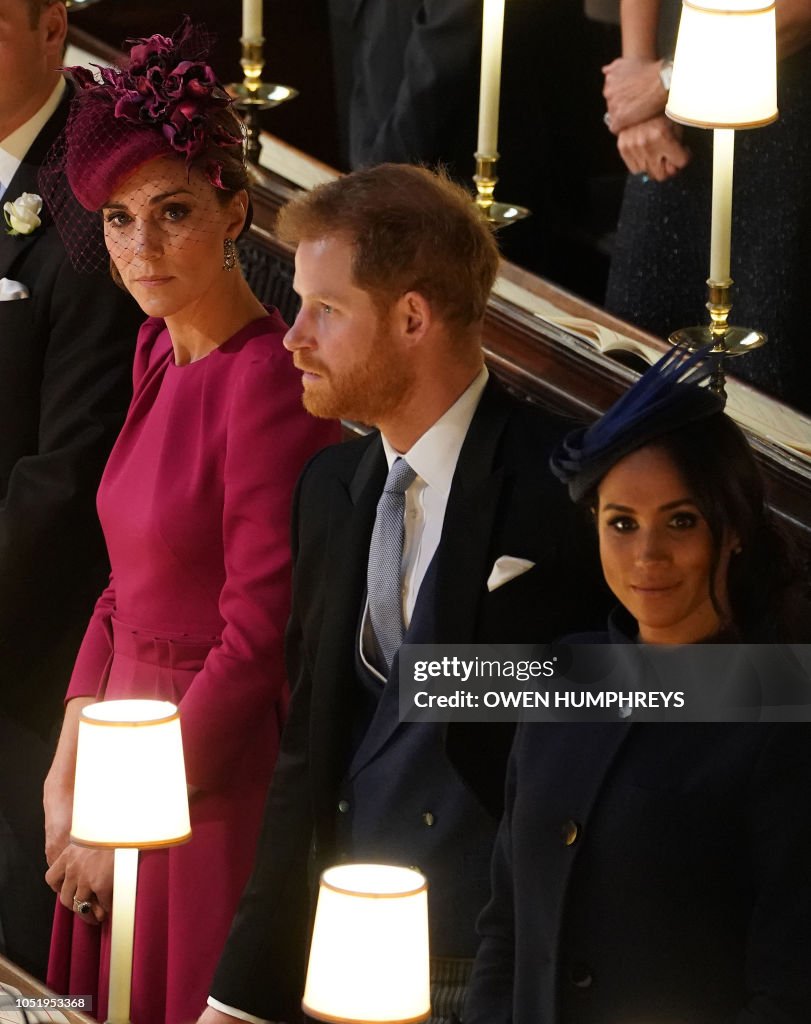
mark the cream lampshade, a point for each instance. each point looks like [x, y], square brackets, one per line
[725, 65]
[130, 778]
[724, 78]
[130, 792]
[369, 953]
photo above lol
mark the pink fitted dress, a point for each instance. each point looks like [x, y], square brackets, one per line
[195, 505]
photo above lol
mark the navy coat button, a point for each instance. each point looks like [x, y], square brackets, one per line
[343, 806]
[428, 819]
[569, 832]
[580, 975]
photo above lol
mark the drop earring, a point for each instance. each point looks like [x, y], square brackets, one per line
[230, 257]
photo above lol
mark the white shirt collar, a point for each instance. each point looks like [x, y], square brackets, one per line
[14, 146]
[434, 456]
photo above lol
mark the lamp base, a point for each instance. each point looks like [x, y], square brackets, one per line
[733, 341]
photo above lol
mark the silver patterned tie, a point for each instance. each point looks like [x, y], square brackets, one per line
[384, 575]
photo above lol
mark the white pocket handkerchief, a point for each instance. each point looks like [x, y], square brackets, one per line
[506, 568]
[12, 290]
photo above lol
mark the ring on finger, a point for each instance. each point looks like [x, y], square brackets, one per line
[82, 907]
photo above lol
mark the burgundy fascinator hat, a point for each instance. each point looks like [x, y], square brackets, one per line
[165, 99]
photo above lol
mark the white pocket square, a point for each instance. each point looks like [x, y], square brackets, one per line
[506, 568]
[12, 290]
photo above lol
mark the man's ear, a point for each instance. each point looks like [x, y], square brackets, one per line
[54, 26]
[413, 316]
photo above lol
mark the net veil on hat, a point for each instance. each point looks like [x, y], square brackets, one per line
[669, 395]
[163, 100]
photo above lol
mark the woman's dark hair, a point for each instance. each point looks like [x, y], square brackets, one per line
[764, 583]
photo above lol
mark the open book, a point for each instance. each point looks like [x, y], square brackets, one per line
[761, 415]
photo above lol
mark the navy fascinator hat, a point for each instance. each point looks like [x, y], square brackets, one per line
[667, 396]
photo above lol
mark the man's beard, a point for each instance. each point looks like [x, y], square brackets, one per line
[366, 393]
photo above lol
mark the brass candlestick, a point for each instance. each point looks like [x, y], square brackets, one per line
[485, 179]
[726, 340]
[252, 94]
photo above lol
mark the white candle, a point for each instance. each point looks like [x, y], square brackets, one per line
[722, 162]
[252, 20]
[490, 86]
[125, 880]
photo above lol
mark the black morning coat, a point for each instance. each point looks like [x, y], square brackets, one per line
[503, 501]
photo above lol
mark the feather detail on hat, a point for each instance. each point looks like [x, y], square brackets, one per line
[667, 396]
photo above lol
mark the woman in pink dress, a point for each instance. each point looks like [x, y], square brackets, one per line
[194, 504]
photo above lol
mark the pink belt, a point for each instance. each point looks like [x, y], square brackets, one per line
[180, 651]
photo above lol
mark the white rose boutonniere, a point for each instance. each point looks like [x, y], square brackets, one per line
[22, 216]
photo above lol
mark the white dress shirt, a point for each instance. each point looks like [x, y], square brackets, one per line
[14, 146]
[433, 458]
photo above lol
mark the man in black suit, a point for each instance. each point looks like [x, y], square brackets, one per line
[66, 342]
[394, 266]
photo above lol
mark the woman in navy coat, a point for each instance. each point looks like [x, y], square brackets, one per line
[657, 873]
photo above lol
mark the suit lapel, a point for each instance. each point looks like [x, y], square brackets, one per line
[12, 247]
[351, 506]
[469, 521]
[351, 513]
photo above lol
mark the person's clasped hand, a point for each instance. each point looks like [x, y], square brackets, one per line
[654, 148]
[81, 876]
[633, 92]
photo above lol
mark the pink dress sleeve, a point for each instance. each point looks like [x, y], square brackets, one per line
[269, 439]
